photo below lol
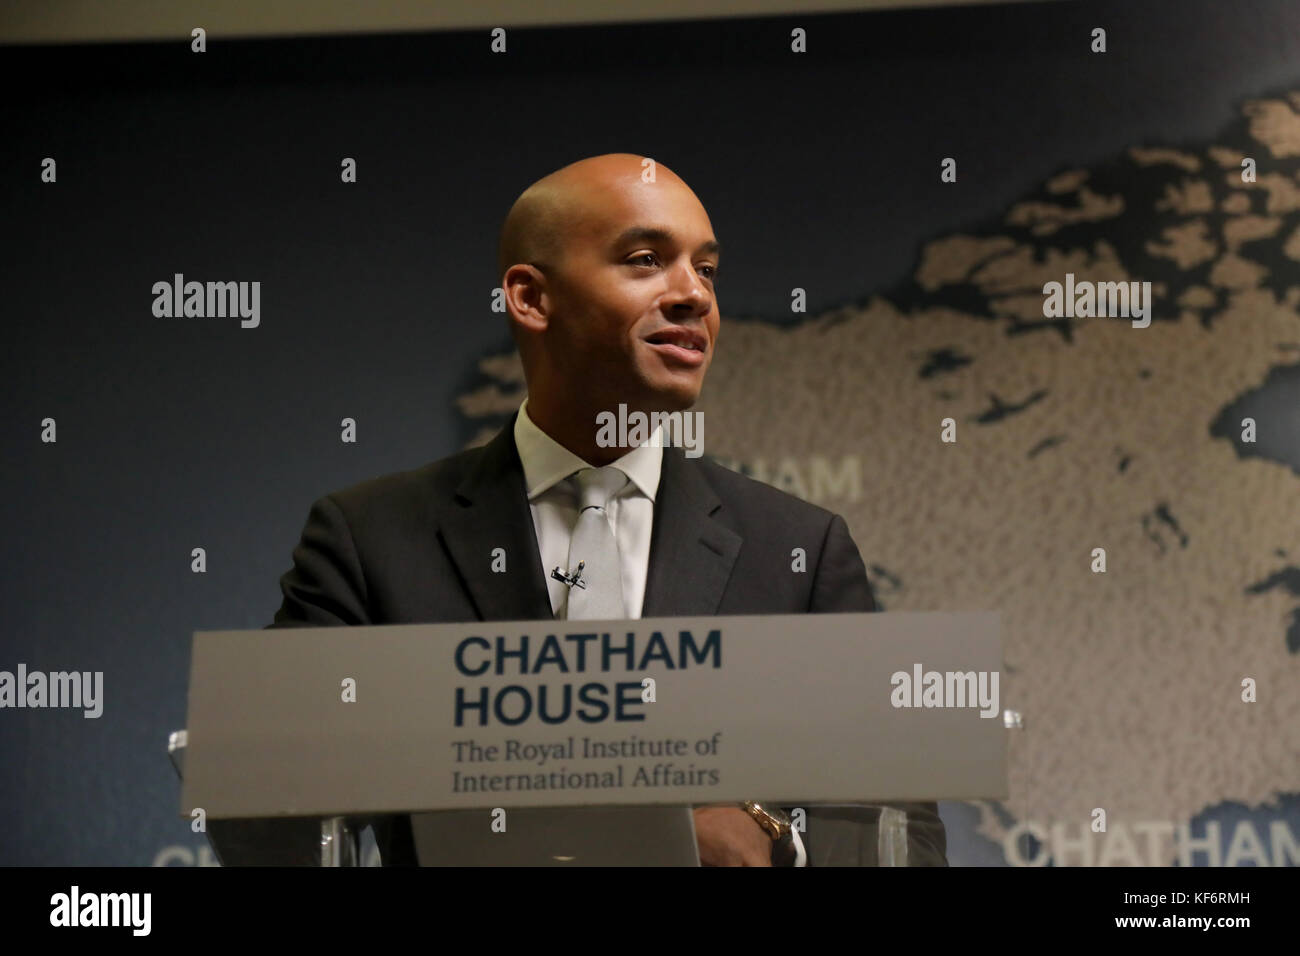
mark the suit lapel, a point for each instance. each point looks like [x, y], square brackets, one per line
[491, 511]
[691, 554]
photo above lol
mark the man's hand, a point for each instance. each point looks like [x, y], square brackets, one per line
[728, 836]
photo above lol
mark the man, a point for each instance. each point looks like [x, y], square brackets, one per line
[608, 271]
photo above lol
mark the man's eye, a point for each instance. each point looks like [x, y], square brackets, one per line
[710, 274]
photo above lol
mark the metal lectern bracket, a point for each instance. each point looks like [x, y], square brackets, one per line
[338, 843]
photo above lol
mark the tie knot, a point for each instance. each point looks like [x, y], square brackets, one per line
[597, 485]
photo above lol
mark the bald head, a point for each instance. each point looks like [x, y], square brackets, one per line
[608, 282]
[559, 205]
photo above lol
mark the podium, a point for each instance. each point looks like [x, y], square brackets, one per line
[275, 841]
[296, 738]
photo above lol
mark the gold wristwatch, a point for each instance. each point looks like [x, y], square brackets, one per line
[776, 824]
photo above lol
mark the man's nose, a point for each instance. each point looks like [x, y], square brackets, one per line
[689, 291]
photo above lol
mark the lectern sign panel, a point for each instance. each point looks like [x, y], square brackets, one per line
[817, 708]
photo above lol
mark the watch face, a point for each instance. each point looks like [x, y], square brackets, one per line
[779, 815]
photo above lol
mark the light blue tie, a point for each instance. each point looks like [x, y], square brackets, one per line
[593, 545]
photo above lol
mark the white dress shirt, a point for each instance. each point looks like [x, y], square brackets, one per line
[553, 501]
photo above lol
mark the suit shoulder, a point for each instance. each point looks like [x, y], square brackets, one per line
[411, 487]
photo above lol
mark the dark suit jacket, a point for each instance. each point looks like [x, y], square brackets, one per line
[415, 547]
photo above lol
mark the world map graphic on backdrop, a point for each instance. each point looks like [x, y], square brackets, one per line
[1075, 434]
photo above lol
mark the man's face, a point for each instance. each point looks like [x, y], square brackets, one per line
[634, 314]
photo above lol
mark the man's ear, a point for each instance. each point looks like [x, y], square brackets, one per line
[528, 299]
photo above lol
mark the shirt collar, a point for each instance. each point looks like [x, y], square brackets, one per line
[546, 462]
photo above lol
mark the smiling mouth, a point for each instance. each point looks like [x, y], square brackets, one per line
[686, 340]
[671, 354]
